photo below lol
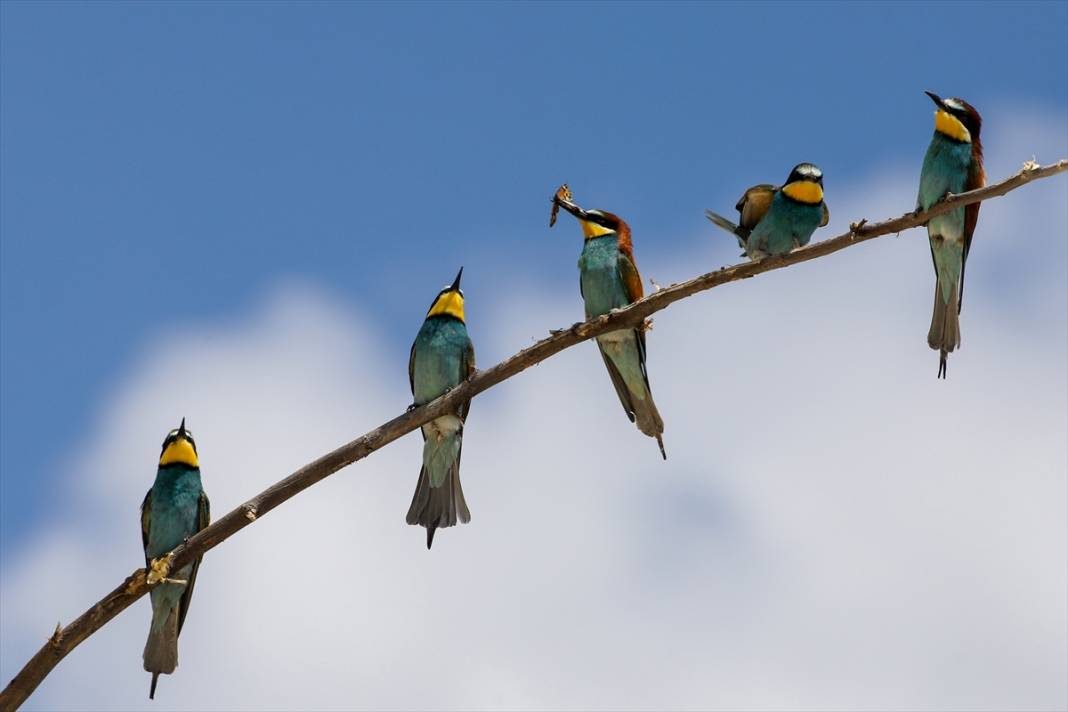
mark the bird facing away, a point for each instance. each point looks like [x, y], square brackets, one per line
[773, 220]
[442, 358]
[609, 279]
[174, 509]
[953, 164]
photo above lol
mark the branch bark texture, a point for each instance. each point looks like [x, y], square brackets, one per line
[64, 640]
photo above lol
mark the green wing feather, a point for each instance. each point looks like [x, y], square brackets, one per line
[203, 520]
[411, 369]
[146, 523]
[467, 369]
[976, 179]
[629, 273]
[620, 385]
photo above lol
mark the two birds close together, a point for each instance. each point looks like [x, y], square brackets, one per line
[773, 221]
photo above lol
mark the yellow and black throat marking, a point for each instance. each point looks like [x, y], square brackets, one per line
[179, 449]
[591, 229]
[949, 125]
[450, 302]
[804, 191]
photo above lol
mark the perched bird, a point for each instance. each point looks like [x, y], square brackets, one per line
[174, 509]
[953, 164]
[775, 220]
[609, 279]
[442, 357]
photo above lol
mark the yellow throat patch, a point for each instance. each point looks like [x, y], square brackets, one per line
[449, 303]
[950, 125]
[179, 452]
[804, 191]
[592, 229]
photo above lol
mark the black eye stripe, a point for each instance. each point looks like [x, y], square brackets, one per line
[173, 437]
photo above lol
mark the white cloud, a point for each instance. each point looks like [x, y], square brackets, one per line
[834, 527]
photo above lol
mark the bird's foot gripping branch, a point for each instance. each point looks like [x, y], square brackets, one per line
[159, 570]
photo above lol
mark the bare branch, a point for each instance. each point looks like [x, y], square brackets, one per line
[66, 639]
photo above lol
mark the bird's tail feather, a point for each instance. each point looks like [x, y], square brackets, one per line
[161, 649]
[739, 232]
[944, 335]
[443, 506]
[648, 419]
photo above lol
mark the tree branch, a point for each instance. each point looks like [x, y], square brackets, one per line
[66, 639]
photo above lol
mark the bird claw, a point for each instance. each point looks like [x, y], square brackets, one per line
[158, 570]
[411, 407]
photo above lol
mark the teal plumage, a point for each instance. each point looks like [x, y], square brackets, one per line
[609, 279]
[442, 357]
[173, 510]
[953, 164]
[774, 220]
[603, 290]
[787, 225]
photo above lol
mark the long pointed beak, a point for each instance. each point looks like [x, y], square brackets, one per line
[456, 284]
[936, 99]
[571, 208]
[181, 428]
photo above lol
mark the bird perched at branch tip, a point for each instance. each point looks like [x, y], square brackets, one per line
[953, 164]
[609, 279]
[173, 510]
[773, 220]
[442, 358]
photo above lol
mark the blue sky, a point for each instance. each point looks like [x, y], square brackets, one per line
[167, 168]
[167, 162]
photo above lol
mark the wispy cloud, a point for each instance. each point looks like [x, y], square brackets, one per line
[834, 528]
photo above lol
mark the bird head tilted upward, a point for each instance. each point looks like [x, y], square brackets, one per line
[594, 223]
[805, 184]
[450, 301]
[956, 119]
[179, 448]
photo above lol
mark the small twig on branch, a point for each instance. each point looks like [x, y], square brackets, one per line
[66, 639]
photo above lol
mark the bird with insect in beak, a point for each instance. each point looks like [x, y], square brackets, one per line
[442, 358]
[774, 220]
[953, 164]
[609, 279]
[174, 509]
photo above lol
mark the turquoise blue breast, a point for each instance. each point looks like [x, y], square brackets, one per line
[175, 508]
[786, 222]
[599, 278]
[945, 170]
[440, 348]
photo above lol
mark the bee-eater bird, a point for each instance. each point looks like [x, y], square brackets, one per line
[609, 279]
[174, 509]
[953, 164]
[442, 358]
[773, 220]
